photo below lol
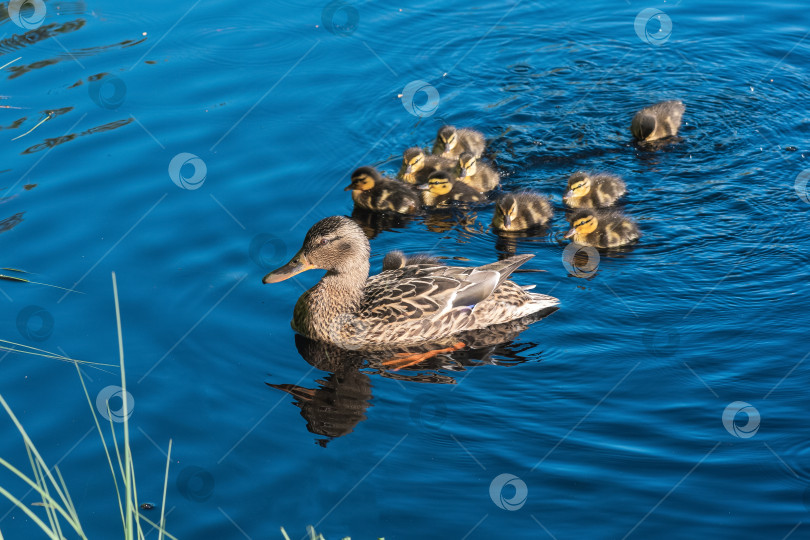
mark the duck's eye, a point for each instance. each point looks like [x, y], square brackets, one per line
[323, 241]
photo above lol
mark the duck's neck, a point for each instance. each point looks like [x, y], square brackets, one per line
[337, 293]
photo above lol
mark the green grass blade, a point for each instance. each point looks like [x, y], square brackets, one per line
[19, 504]
[127, 451]
[103, 443]
[163, 502]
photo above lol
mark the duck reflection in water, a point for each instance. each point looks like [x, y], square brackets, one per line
[373, 223]
[339, 401]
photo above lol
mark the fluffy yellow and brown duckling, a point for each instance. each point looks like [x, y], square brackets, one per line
[479, 176]
[521, 211]
[658, 121]
[602, 229]
[452, 142]
[372, 191]
[417, 166]
[397, 259]
[412, 304]
[593, 190]
[441, 190]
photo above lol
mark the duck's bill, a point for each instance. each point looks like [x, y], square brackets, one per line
[297, 264]
[507, 220]
[350, 187]
[462, 173]
[570, 233]
[568, 194]
[423, 187]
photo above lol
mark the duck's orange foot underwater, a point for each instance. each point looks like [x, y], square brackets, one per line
[403, 360]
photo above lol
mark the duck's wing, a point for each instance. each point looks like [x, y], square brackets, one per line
[425, 291]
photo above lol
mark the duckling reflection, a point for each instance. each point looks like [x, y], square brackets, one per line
[340, 400]
[373, 223]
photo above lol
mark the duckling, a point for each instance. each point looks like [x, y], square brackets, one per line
[521, 211]
[373, 192]
[417, 166]
[441, 190]
[480, 176]
[452, 142]
[658, 121]
[593, 191]
[396, 259]
[602, 229]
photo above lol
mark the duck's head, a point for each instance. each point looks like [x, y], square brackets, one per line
[413, 161]
[582, 223]
[447, 138]
[506, 211]
[646, 126]
[363, 179]
[336, 244]
[439, 183]
[579, 185]
[467, 165]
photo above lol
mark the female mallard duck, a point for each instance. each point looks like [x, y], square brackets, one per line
[479, 176]
[373, 192]
[397, 259]
[413, 304]
[442, 190]
[417, 166]
[452, 142]
[593, 190]
[521, 211]
[658, 121]
[602, 229]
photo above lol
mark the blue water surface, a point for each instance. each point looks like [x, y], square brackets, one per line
[607, 417]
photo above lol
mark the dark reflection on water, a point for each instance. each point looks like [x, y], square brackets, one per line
[56, 141]
[341, 399]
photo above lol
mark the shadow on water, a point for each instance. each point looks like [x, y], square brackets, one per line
[339, 402]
